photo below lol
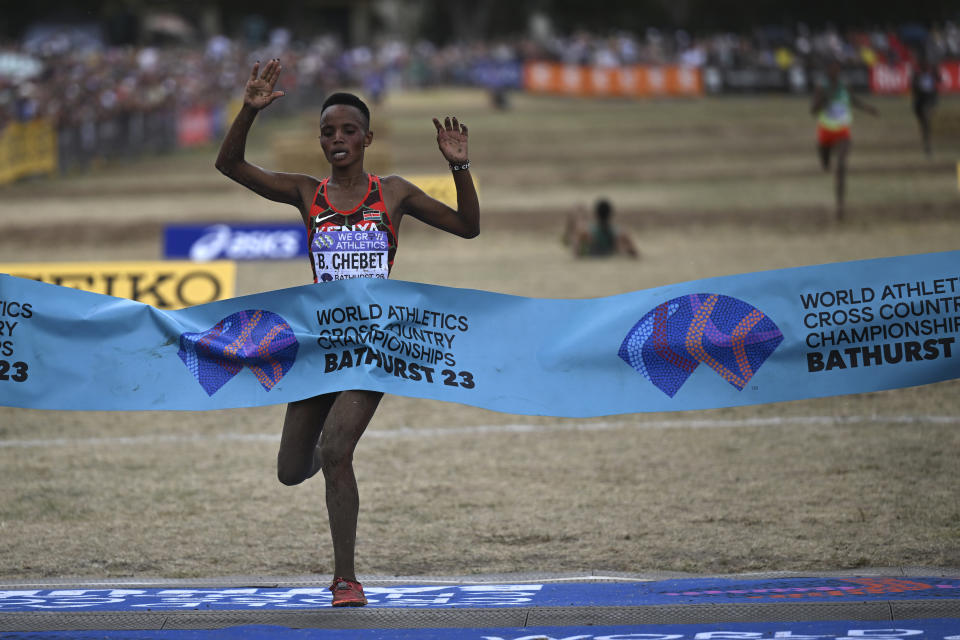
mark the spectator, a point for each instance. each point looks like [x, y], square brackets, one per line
[600, 238]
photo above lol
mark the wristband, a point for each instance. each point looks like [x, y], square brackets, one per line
[460, 167]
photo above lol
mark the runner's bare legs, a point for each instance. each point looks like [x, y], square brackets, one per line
[823, 152]
[842, 148]
[322, 433]
[923, 117]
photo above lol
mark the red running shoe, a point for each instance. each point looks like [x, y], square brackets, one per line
[347, 593]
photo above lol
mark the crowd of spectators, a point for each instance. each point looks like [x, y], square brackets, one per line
[81, 80]
[765, 47]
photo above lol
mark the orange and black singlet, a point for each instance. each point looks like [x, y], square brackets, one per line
[359, 243]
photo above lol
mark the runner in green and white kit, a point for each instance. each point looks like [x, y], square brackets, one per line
[832, 105]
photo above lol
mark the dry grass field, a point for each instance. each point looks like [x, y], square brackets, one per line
[707, 187]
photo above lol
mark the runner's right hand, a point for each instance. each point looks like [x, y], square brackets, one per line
[259, 91]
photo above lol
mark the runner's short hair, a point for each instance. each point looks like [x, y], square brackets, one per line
[603, 209]
[348, 99]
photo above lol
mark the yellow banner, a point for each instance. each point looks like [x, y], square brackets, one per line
[27, 148]
[439, 186]
[164, 284]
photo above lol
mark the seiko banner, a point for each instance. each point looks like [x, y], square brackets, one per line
[735, 340]
[161, 284]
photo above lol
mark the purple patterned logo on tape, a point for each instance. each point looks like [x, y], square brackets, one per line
[730, 336]
[259, 340]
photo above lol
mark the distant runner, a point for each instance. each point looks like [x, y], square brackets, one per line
[832, 103]
[353, 219]
[924, 86]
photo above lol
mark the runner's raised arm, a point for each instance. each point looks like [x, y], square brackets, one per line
[465, 220]
[258, 94]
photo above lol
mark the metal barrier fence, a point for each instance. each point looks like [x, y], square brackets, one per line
[38, 147]
[27, 148]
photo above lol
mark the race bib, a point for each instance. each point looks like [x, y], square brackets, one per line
[341, 255]
[838, 111]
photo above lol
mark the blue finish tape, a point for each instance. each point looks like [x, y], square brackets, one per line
[735, 340]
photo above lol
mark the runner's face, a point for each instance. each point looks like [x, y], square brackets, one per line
[833, 71]
[343, 135]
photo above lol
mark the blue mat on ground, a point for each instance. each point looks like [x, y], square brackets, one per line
[933, 629]
[663, 592]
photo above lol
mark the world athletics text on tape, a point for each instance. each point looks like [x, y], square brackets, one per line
[168, 284]
[762, 337]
